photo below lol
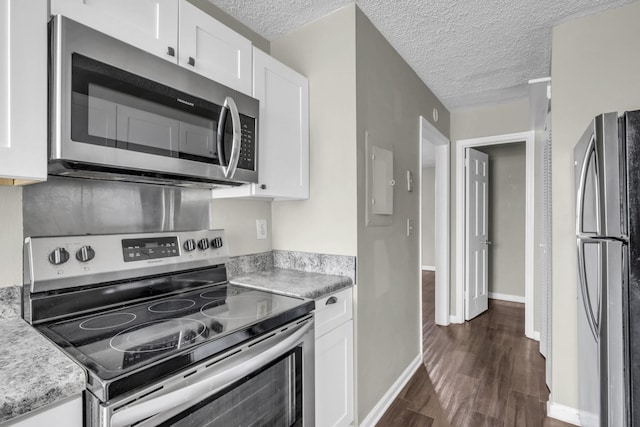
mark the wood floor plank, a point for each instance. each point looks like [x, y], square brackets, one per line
[483, 373]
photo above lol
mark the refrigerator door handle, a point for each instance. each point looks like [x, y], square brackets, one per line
[586, 298]
[590, 151]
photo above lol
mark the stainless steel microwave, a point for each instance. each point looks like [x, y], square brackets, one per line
[117, 112]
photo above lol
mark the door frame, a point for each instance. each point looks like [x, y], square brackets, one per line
[461, 146]
[429, 133]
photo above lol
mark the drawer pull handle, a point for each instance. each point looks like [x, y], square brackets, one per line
[331, 300]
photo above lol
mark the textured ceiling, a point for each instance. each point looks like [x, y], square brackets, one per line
[468, 52]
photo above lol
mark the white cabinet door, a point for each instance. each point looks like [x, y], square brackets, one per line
[151, 25]
[212, 49]
[23, 91]
[283, 133]
[283, 157]
[334, 377]
[66, 414]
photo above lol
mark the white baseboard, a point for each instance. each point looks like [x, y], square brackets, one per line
[454, 319]
[505, 297]
[536, 335]
[429, 267]
[563, 413]
[383, 404]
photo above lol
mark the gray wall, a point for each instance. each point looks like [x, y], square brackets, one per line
[595, 68]
[479, 122]
[506, 218]
[428, 216]
[390, 99]
[10, 236]
[324, 52]
[358, 82]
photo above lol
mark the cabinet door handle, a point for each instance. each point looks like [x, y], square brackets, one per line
[331, 300]
[263, 186]
[171, 51]
[191, 61]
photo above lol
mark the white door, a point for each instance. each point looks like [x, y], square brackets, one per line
[476, 233]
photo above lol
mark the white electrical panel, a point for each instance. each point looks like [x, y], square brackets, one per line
[382, 161]
[379, 184]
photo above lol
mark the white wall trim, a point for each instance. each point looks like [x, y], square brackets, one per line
[505, 297]
[461, 146]
[455, 319]
[383, 404]
[430, 134]
[563, 413]
[536, 335]
[429, 267]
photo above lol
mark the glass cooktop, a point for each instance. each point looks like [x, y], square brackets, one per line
[119, 341]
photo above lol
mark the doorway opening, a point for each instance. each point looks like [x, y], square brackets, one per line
[461, 231]
[434, 152]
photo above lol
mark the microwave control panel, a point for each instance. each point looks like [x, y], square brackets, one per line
[247, 159]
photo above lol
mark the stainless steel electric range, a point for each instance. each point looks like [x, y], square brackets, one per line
[162, 336]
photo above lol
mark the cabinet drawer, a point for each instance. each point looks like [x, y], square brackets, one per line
[332, 311]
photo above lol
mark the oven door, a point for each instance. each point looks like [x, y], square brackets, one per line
[267, 382]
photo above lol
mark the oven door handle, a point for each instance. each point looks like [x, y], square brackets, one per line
[179, 400]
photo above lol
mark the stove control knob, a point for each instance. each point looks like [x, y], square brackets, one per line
[203, 244]
[85, 254]
[189, 245]
[58, 256]
[217, 242]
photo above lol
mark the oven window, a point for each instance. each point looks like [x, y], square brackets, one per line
[272, 396]
[114, 108]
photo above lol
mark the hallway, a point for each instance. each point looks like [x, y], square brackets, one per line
[482, 373]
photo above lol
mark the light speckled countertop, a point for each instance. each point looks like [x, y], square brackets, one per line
[294, 283]
[33, 371]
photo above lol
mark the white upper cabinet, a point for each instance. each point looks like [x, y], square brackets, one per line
[214, 50]
[23, 91]
[283, 133]
[174, 30]
[151, 25]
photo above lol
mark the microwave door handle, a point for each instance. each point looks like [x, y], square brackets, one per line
[237, 137]
[586, 299]
[181, 399]
[229, 169]
[222, 156]
[590, 151]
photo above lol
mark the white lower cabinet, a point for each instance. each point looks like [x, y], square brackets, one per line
[334, 361]
[65, 414]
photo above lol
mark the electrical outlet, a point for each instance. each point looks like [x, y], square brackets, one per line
[261, 229]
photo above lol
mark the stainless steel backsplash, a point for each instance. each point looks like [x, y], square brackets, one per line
[66, 206]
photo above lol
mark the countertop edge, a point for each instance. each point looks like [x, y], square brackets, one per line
[59, 378]
[278, 281]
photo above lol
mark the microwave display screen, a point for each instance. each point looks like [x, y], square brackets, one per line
[115, 108]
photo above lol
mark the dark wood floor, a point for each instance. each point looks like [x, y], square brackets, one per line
[482, 373]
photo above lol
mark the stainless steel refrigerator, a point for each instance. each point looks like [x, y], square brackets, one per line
[607, 182]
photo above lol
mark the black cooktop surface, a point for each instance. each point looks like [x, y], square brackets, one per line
[116, 342]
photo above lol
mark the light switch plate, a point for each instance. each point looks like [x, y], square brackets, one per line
[261, 229]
